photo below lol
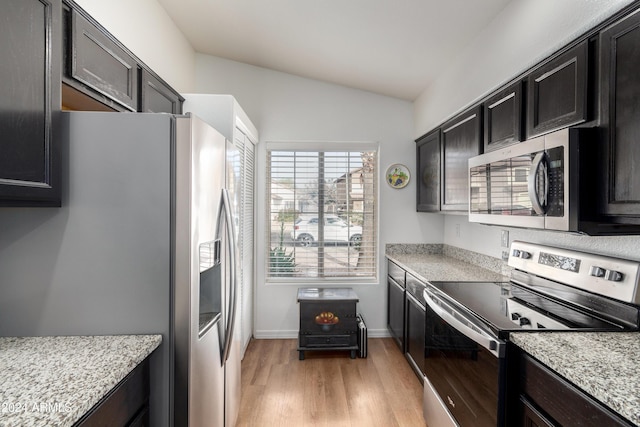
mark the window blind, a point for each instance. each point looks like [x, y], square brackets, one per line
[322, 214]
[246, 150]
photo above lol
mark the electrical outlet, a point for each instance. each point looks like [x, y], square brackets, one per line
[505, 255]
[505, 238]
[457, 230]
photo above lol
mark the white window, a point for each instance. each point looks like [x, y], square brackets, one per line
[310, 187]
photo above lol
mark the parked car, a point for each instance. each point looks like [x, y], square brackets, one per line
[305, 230]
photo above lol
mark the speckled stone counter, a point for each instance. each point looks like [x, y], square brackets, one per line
[604, 365]
[53, 381]
[443, 263]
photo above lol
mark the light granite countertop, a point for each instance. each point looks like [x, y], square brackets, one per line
[54, 381]
[443, 263]
[604, 365]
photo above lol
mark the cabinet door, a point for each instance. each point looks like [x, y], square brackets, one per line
[531, 417]
[428, 167]
[560, 400]
[558, 92]
[99, 63]
[503, 118]
[395, 311]
[30, 46]
[156, 96]
[415, 331]
[126, 404]
[620, 115]
[461, 140]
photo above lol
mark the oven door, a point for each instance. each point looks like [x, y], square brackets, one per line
[464, 367]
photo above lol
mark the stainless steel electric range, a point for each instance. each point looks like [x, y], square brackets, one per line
[468, 324]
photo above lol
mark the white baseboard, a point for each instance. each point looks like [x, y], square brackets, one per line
[272, 335]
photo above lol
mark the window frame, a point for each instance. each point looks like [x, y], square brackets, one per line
[324, 146]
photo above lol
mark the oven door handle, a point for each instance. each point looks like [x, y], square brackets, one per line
[464, 326]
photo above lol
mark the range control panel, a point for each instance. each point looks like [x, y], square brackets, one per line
[612, 277]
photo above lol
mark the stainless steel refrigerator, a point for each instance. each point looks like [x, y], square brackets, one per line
[144, 243]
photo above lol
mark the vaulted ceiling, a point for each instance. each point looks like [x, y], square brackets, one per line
[390, 47]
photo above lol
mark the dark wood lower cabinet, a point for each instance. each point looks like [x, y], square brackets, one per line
[126, 405]
[395, 311]
[538, 396]
[532, 417]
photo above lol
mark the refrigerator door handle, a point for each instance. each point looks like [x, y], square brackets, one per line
[225, 208]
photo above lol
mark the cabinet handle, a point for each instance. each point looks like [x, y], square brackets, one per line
[538, 165]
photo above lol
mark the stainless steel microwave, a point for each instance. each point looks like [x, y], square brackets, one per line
[533, 184]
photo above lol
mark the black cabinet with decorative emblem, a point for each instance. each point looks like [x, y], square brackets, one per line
[328, 320]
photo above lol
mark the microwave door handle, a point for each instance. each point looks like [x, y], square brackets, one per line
[532, 181]
[451, 315]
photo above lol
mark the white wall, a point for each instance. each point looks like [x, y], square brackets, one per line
[525, 32]
[145, 29]
[288, 108]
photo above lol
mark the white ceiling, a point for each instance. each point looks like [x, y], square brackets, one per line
[390, 47]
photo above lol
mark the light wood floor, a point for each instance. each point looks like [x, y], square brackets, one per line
[328, 388]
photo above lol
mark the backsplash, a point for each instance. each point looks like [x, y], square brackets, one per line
[414, 248]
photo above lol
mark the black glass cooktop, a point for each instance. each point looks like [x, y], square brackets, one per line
[506, 306]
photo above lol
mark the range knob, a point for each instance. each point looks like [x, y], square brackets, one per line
[612, 275]
[524, 321]
[521, 254]
[596, 271]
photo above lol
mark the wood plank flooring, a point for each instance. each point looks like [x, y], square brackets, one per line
[328, 388]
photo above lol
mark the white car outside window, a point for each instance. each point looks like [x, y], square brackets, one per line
[305, 230]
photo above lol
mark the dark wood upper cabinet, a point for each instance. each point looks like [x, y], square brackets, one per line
[156, 96]
[461, 140]
[100, 73]
[97, 62]
[557, 92]
[428, 167]
[30, 42]
[620, 117]
[503, 119]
